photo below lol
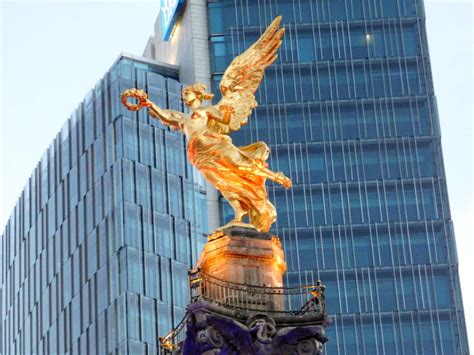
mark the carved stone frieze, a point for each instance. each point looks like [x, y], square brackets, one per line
[209, 331]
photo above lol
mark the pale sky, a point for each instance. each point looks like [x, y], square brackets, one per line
[53, 53]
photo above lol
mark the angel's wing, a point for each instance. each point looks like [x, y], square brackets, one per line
[243, 76]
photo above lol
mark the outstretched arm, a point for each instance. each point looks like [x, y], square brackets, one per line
[262, 171]
[259, 167]
[171, 118]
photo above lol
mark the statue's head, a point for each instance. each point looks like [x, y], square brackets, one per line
[193, 95]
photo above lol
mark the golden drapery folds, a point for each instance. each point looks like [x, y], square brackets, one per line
[239, 173]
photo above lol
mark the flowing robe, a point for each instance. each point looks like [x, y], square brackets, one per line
[232, 171]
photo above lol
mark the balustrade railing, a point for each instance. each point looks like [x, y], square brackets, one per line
[174, 340]
[285, 300]
[300, 300]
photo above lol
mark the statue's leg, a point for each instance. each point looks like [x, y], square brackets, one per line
[240, 212]
[264, 217]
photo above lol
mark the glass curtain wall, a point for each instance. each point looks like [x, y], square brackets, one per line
[349, 112]
[95, 255]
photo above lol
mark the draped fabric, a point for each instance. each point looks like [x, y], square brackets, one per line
[232, 171]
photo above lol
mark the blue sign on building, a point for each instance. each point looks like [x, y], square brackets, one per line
[170, 9]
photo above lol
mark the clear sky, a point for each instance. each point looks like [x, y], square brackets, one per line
[53, 53]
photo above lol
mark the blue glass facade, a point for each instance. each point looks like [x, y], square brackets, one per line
[350, 114]
[95, 255]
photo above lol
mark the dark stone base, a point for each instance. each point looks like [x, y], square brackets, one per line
[211, 329]
[240, 231]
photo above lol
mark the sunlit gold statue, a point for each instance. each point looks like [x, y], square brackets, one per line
[239, 173]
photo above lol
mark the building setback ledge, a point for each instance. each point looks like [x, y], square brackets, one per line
[163, 68]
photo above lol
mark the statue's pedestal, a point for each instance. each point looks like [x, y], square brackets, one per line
[239, 305]
[244, 256]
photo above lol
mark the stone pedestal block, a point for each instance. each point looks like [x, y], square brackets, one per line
[244, 256]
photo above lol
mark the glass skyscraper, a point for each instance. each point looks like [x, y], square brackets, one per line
[95, 255]
[350, 115]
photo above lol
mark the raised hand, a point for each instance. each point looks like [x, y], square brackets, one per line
[283, 180]
[140, 95]
[226, 109]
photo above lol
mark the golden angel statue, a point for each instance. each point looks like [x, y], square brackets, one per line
[239, 173]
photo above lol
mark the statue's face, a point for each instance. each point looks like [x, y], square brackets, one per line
[266, 154]
[191, 99]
